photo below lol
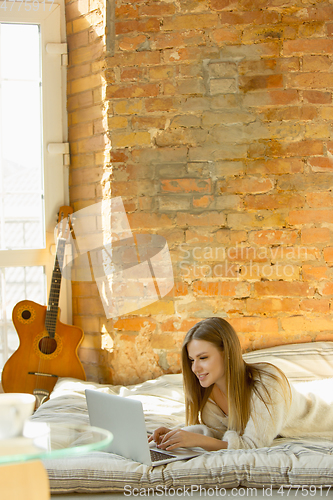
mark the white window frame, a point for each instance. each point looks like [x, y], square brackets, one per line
[51, 18]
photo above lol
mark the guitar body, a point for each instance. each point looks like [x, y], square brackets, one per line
[39, 360]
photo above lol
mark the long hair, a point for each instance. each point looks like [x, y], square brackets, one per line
[242, 379]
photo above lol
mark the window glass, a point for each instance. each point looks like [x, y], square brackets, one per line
[21, 175]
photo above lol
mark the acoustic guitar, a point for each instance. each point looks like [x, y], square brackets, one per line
[48, 348]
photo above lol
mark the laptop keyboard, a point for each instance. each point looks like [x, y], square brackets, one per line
[157, 455]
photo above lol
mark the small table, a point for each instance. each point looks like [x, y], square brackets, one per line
[22, 474]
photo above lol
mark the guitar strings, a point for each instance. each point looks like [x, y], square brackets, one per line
[52, 312]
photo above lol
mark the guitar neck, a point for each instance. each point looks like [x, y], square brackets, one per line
[53, 304]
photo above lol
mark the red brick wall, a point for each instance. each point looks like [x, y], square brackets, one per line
[212, 121]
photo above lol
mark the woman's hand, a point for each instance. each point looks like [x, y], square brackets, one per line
[168, 440]
[158, 434]
[178, 438]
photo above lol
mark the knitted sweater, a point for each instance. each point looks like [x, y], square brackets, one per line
[304, 415]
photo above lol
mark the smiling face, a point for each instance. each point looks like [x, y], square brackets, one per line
[207, 363]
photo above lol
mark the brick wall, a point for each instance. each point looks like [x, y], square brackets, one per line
[212, 121]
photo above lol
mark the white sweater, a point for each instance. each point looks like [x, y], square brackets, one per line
[306, 415]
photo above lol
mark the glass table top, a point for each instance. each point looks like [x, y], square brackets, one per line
[43, 440]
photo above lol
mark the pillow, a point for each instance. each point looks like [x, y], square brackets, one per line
[299, 362]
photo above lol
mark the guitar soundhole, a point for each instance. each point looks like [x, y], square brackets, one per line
[26, 314]
[47, 345]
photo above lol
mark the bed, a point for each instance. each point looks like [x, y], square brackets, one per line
[290, 467]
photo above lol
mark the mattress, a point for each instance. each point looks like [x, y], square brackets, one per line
[289, 463]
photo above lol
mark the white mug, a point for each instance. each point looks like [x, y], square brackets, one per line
[15, 409]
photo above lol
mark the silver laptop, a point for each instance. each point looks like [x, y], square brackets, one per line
[124, 417]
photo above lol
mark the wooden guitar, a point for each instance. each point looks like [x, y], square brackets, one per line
[48, 348]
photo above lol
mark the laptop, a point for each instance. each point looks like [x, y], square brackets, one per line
[124, 418]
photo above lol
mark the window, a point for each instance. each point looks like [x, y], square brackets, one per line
[33, 134]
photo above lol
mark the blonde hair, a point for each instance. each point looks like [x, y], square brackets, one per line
[242, 379]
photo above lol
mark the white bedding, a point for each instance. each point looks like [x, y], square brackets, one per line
[295, 462]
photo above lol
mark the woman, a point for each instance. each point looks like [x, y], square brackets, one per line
[235, 405]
